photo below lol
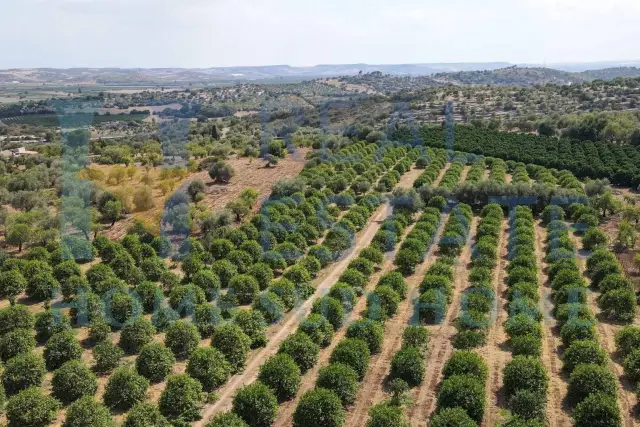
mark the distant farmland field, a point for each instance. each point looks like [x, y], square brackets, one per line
[53, 120]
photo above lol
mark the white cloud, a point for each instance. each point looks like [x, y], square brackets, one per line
[201, 33]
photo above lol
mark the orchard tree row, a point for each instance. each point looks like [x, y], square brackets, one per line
[617, 162]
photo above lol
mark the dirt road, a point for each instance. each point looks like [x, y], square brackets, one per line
[495, 352]
[558, 412]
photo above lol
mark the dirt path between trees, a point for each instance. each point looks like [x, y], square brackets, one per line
[558, 412]
[495, 352]
[441, 348]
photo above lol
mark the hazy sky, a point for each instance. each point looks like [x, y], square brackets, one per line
[206, 33]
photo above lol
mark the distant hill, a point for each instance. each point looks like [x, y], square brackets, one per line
[457, 73]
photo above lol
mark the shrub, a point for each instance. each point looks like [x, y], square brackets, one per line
[584, 352]
[185, 298]
[246, 288]
[318, 328]
[301, 349]
[340, 379]
[12, 284]
[577, 330]
[182, 338]
[589, 379]
[226, 419]
[233, 344]
[395, 281]
[627, 340]
[415, 336]
[125, 388]
[465, 363]
[524, 373]
[331, 309]
[345, 294]
[155, 362]
[286, 291]
[406, 260]
[225, 270]
[369, 331]
[521, 325]
[552, 213]
[210, 367]
[526, 345]
[256, 405]
[86, 412]
[298, 275]
[319, 408]
[15, 317]
[270, 305]
[72, 381]
[209, 282]
[464, 392]
[61, 348]
[593, 238]
[18, 341]
[619, 305]
[164, 317]
[30, 408]
[439, 283]
[408, 364]
[99, 330]
[614, 282]
[372, 254]
[597, 410]
[206, 318]
[528, 404]
[51, 322]
[262, 273]
[107, 356]
[632, 365]
[253, 324]
[281, 374]
[353, 278]
[452, 417]
[136, 334]
[382, 303]
[145, 414]
[352, 352]
[181, 399]
[384, 414]
[22, 372]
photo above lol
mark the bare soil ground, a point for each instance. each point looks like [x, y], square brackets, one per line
[606, 332]
[441, 348]
[558, 412]
[495, 352]
[287, 409]
[465, 172]
[247, 175]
